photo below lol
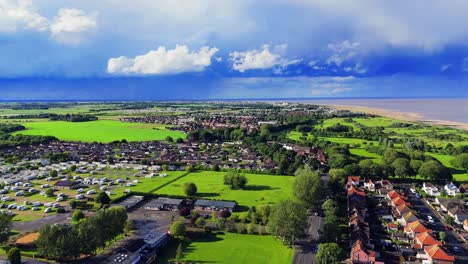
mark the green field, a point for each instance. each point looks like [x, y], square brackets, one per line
[458, 175]
[238, 248]
[100, 131]
[261, 189]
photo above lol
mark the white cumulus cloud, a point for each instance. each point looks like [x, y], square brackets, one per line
[70, 20]
[20, 14]
[163, 61]
[260, 59]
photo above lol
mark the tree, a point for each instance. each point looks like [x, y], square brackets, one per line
[338, 160]
[442, 236]
[49, 192]
[200, 222]
[235, 180]
[401, 167]
[251, 228]
[5, 227]
[184, 212]
[190, 189]
[58, 242]
[415, 165]
[330, 207]
[225, 214]
[288, 221]
[329, 253]
[338, 176]
[14, 255]
[53, 173]
[169, 139]
[73, 167]
[178, 229]
[77, 216]
[390, 155]
[449, 220]
[103, 198]
[129, 226]
[461, 161]
[308, 187]
[434, 171]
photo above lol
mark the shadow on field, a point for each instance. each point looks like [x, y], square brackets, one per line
[259, 188]
[207, 194]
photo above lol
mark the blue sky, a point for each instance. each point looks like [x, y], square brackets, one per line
[211, 49]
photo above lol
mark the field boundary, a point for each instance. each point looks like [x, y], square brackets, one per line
[169, 182]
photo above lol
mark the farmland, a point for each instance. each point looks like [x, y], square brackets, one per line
[99, 131]
[261, 189]
[238, 248]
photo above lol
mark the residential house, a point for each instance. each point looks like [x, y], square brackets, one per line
[408, 218]
[385, 187]
[401, 209]
[361, 254]
[369, 185]
[353, 180]
[430, 189]
[436, 255]
[454, 208]
[414, 228]
[451, 189]
[424, 239]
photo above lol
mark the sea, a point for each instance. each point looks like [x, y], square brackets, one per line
[447, 109]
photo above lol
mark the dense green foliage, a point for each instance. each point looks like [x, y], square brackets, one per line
[308, 187]
[288, 221]
[64, 242]
[14, 255]
[330, 253]
[5, 227]
[235, 181]
[190, 189]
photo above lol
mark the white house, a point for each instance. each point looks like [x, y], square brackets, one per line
[369, 185]
[430, 189]
[451, 189]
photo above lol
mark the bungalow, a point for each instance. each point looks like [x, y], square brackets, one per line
[65, 184]
[425, 239]
[430, 189]
[414, 228]
[451, 189]
[435, 254]
[164, 203]
[369, 185]
[215, 205]
[458, 213]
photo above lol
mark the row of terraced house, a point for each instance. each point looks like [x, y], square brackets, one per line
[408, 228]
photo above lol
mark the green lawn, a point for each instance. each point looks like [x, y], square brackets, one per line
[261, 189]
[238, 248]
[100, 131]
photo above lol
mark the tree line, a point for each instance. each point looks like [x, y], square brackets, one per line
[65, 242]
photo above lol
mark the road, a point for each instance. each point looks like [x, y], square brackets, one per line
[423, 209]
[304, 249]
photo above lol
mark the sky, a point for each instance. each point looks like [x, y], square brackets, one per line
[223, 49]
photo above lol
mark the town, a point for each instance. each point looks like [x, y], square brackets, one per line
[310, 183]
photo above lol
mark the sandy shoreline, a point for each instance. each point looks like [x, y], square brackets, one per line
[406, 116]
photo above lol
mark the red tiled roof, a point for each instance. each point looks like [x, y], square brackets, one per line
[426, 239]
[436, 252]
[416, 227]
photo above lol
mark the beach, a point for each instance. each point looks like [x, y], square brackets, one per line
[406, 116]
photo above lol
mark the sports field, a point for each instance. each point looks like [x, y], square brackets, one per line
[238, 248]
[100, 131]
[261, 189]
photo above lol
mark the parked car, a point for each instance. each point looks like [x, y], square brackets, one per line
[48, 210]
[12, 206]
[20, 193]
[80, 196]
[91, 192]
[35, 208]
[80, 190]
[22, 208]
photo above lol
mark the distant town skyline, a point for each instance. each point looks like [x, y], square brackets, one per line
[156, 50]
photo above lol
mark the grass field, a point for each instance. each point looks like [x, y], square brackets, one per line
[261, 189]
[238, 248]
[458, 175]
[100, 131]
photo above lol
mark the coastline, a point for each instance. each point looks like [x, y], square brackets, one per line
[405, 116]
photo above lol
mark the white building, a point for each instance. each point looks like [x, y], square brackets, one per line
[451, 189]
